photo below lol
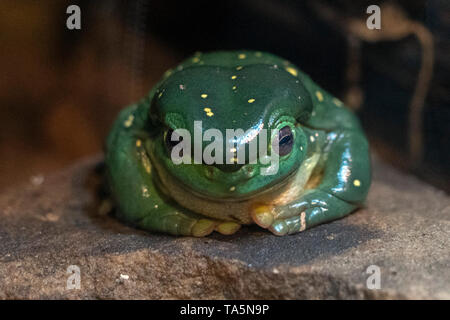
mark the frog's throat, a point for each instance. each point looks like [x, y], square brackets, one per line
[239, 209]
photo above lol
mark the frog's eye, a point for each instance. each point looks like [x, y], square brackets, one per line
[285, 141]
[170, 143]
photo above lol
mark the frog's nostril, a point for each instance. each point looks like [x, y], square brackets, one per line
[209, 172]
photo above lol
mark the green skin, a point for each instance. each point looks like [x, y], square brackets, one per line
[324, 177]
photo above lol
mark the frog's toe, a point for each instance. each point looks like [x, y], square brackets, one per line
[262, 215]
[228, 228]
[203, 227]
[294, 224]
[281, 227]
[277, 221]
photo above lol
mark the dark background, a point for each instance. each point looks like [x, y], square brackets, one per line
[61, 89]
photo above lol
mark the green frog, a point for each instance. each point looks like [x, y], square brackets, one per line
[322, 170]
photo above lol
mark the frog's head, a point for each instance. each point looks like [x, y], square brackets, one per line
[251, 98]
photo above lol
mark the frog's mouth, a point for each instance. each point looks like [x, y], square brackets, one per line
[236, 208]
[233, 206]
[167, 181]
[229, 186]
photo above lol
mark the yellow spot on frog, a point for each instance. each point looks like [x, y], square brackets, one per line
[337, 102]
[242, 56]
[208, 111]
[319, 95]
[146, 162]
[292, 71]
[129, 122]
[195, 59]
[258, 54]
[233, 77]
[251, 100]
[204, 95]
[234, 88]
[138, 143]
[145, 192]
[160, 94]
[232, 188]
[311, 138]
[239, 68]
[357, 183]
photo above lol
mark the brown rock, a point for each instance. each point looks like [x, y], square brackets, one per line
[53, 224]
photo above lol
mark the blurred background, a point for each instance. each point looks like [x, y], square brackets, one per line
[61, 89]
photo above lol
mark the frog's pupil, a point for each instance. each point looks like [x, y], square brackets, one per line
[286, 141]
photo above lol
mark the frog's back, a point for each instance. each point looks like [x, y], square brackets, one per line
[328, 111]
[232, 59]
[241, 58]
[326, 108]
[237, 89]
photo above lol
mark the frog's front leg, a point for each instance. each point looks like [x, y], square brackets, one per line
[343, 188]
[132, 180]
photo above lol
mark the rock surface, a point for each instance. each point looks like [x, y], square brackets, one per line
[53, 223]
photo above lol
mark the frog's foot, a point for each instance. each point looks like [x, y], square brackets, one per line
[267, 217]
[314, 208]
[185, 223]
[289, 225]
[204, 227]
[201, 228]
[273, 219]
[263, 215]
[227, 227]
